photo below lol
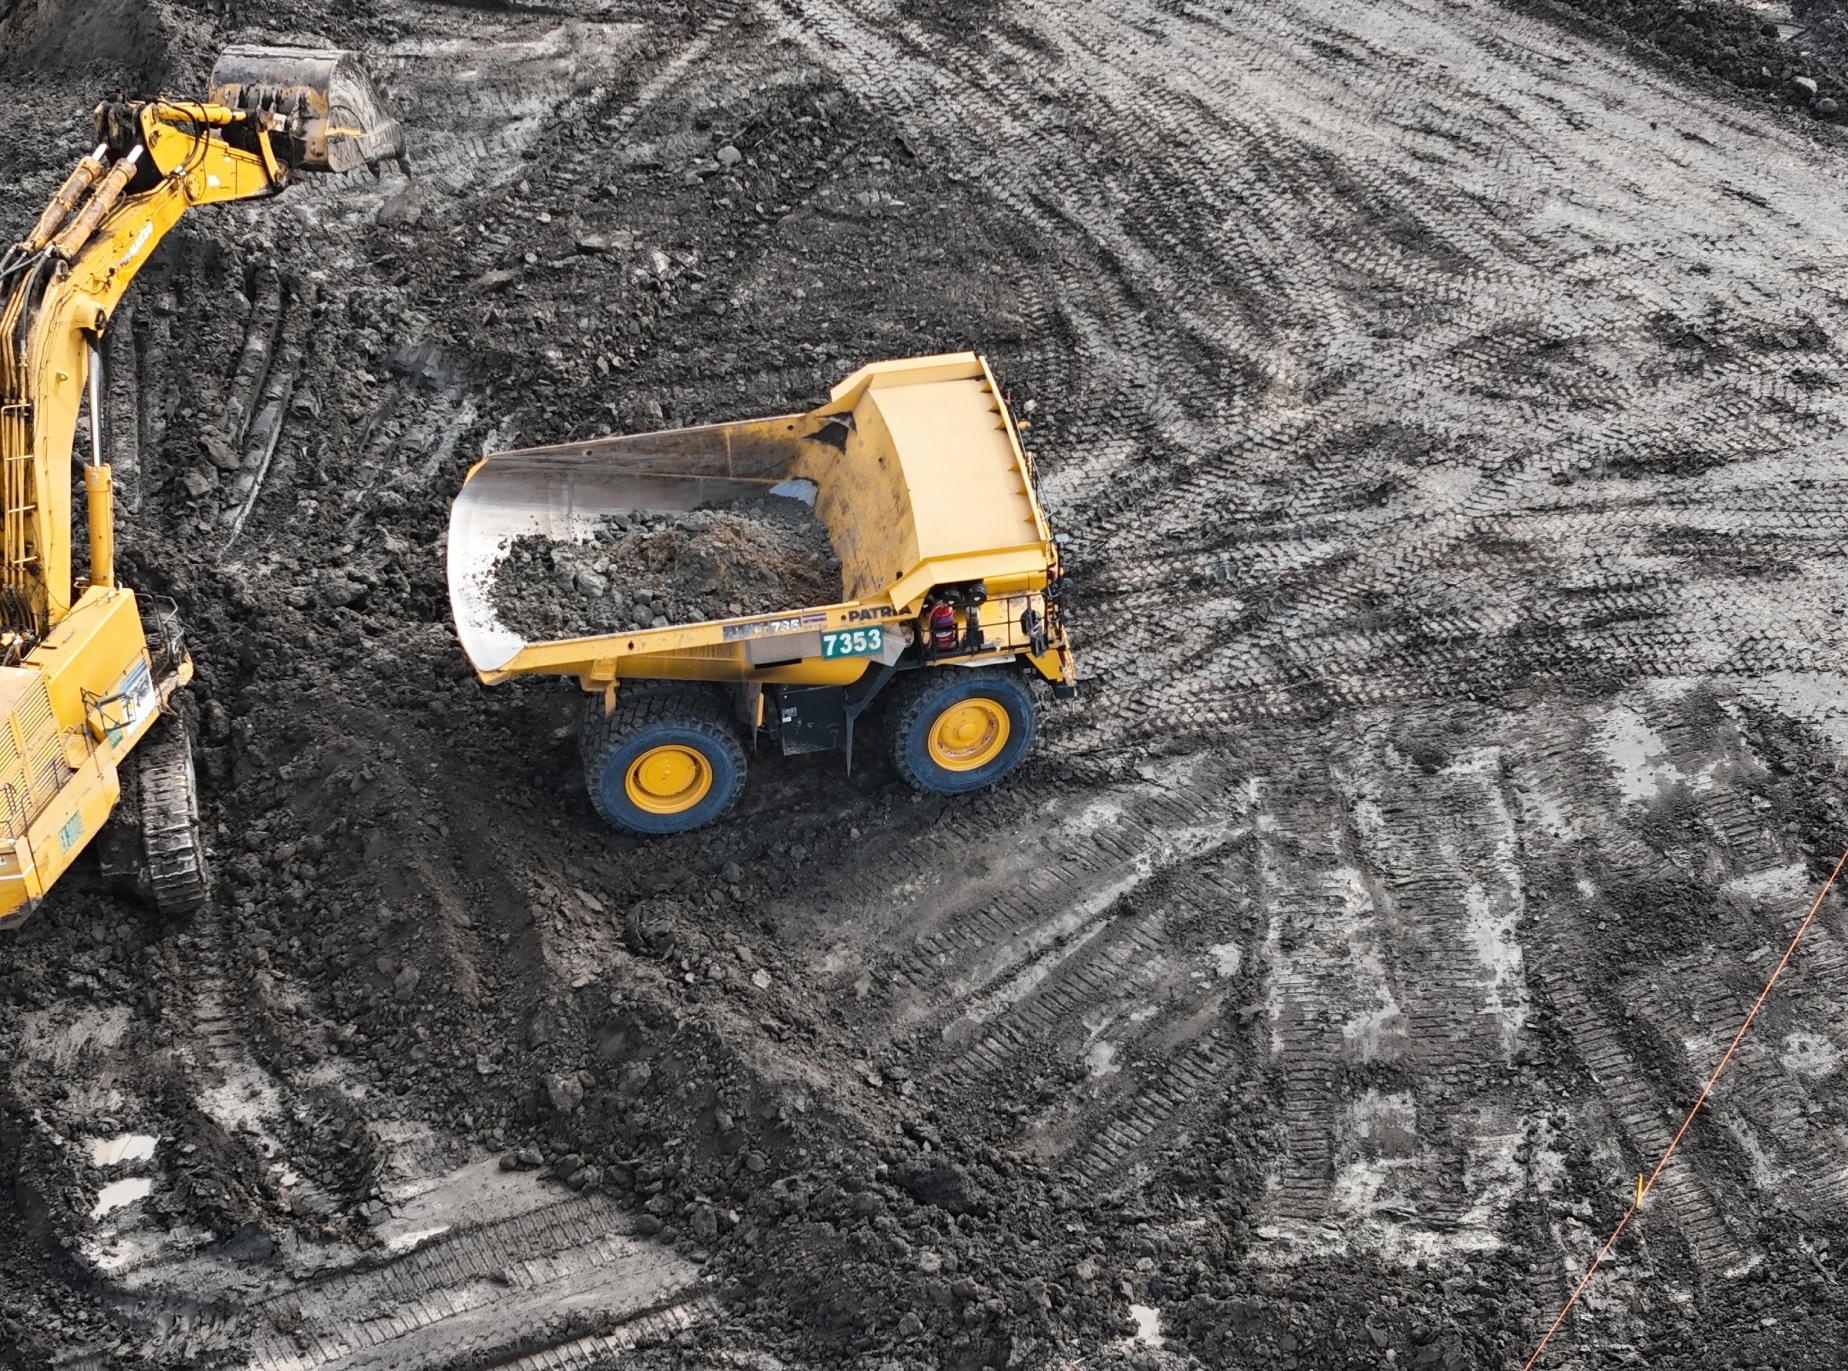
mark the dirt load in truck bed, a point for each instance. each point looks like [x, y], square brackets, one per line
[649, 569]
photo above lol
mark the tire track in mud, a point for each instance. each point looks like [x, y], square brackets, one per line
[1759, 1099]
[474, 1267]
[1649, 1028]
[477, 1293]
[503, 1289]
[994, 996]
[1647, 1118]
[1272, 261]
[1178, 111]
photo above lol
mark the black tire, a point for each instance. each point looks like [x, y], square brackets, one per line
[925, 698]
[689, 726]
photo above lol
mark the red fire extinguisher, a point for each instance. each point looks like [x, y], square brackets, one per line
[942, 627]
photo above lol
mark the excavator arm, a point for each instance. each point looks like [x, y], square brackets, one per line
[274, 111]
[63, 282]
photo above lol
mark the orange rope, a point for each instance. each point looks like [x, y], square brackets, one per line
[1644, 1187]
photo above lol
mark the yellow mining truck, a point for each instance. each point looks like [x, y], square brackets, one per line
[951, 589]
[87, 667]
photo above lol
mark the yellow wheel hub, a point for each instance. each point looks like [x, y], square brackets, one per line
[668, 780]
[969, 734]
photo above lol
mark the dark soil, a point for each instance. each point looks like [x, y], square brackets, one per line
[119, 39]
[422, 929]
[1799, 63]
[651, 570]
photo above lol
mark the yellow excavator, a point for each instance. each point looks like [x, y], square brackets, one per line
[88, 667]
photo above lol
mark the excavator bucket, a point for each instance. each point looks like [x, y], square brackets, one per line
[329, 116]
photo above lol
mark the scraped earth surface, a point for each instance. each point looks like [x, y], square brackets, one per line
[1444, 404]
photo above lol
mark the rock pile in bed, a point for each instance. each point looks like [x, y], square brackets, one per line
[650, 569]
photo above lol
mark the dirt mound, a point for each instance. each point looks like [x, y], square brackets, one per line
[650, 570]
[123, 40]
[1793, 57]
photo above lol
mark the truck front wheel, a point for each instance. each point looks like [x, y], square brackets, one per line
[666, 761]
[958, 729]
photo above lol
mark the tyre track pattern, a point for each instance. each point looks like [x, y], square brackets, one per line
[1441, 293]
[1686, 1006]
[480, 1290]
[1386, 378]
[472, 1293]
[999, 990]
[1648, 1117]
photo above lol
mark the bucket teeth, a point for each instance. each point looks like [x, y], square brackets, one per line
[325, 113]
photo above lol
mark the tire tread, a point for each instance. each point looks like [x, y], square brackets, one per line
[670, 703]
[913, 695]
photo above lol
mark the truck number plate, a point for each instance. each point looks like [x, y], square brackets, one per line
[853, 642]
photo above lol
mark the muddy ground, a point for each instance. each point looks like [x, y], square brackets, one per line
[1444, 402]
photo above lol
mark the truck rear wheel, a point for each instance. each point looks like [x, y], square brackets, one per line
[666, 761]
[958, 729]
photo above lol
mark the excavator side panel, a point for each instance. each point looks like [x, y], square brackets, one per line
[56, 790]
[59, 835]
[96, 666]
[83, 699]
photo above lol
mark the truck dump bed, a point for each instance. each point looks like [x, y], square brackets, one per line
[913, 466]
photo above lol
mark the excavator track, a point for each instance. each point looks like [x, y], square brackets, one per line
[177, 875]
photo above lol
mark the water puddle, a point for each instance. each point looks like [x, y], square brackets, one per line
[129, 1147]
[119, 1193]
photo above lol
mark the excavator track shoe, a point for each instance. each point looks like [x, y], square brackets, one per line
[177, 876]
[327, 114]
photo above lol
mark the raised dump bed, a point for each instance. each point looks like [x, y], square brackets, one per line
[948, 587]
